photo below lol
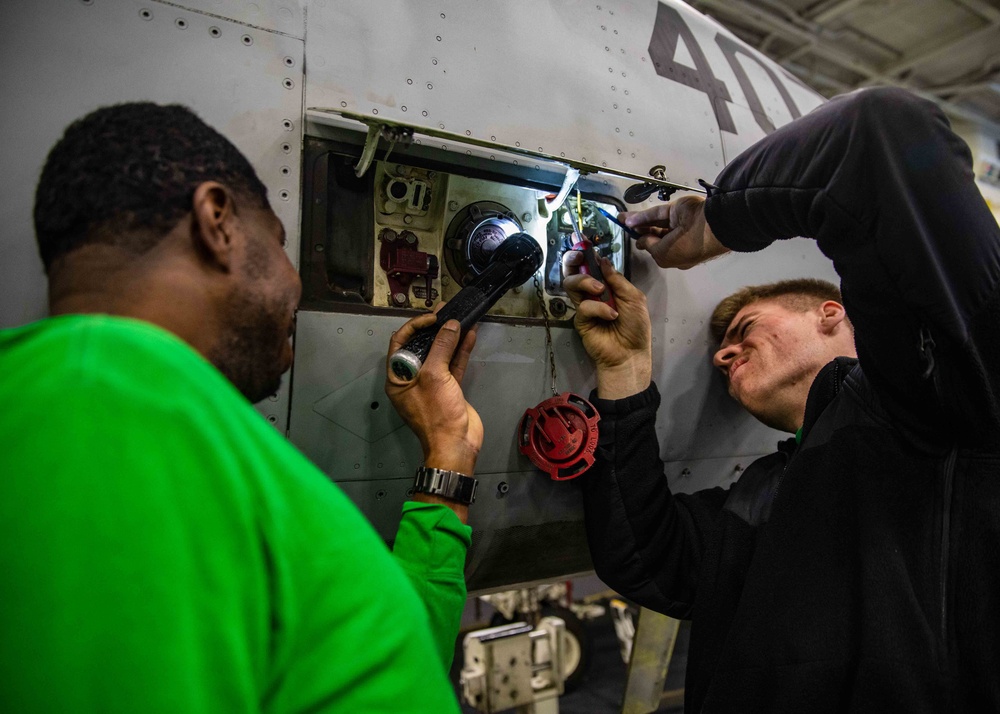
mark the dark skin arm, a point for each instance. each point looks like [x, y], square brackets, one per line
[434, 407]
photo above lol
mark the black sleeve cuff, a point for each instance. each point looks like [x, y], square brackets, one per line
[728, 215]
[611, 408]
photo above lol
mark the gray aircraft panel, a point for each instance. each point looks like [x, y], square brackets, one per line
[339, 360]
[558, 77]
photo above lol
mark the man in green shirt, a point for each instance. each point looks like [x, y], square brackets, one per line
[162, 548]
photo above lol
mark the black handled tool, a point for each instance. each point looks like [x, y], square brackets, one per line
[592, 263]
[516, 260]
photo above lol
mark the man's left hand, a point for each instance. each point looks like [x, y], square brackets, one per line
[676, 234]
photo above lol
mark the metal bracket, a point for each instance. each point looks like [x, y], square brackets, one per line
[637, 193]
[514, 666]
[392, 134]
[331, 117]
[402, 262]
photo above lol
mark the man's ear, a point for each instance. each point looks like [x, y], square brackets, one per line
[832, 314]
[214, 224]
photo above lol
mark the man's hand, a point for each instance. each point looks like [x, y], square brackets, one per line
[433, 405]
[617, 341]
[676, 234]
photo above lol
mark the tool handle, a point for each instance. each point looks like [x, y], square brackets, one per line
[592, 267]
[513, 262]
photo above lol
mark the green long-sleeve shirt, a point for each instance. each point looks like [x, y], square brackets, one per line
[163, 549]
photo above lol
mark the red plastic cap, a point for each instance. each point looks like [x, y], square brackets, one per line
[560, 435]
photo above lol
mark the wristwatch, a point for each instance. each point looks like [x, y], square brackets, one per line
[446, 484]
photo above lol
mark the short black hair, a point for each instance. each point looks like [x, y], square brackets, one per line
[124, 175]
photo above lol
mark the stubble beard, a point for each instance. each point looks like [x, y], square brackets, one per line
[250, 352]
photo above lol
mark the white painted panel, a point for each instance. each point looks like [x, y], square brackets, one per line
[750, 133]
[285, 16]
[63, 59]
[562, 77]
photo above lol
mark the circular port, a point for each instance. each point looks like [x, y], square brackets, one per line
[397, 190]
[474, 233]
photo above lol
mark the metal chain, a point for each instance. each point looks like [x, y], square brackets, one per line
[548, 334]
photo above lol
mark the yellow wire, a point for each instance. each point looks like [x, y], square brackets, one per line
[579, 210]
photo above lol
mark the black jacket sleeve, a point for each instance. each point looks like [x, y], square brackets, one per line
[880, 181]
[646, 543]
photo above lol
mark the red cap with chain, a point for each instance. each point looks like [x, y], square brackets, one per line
[560, 435]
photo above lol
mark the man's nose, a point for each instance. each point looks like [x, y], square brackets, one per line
[725, 355]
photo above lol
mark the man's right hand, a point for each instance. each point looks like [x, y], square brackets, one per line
[432, 404]
[617, 341]
[676, 234]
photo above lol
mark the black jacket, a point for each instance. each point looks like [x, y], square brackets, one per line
[860, 569]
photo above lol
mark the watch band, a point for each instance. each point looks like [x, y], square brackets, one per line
[446, 484]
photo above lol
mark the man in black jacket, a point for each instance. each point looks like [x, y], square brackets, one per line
[858, 567]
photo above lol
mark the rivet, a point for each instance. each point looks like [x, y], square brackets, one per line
[214, 31]
[181, 23]
[247, 40]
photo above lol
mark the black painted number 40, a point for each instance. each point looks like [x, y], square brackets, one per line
[669, 28]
